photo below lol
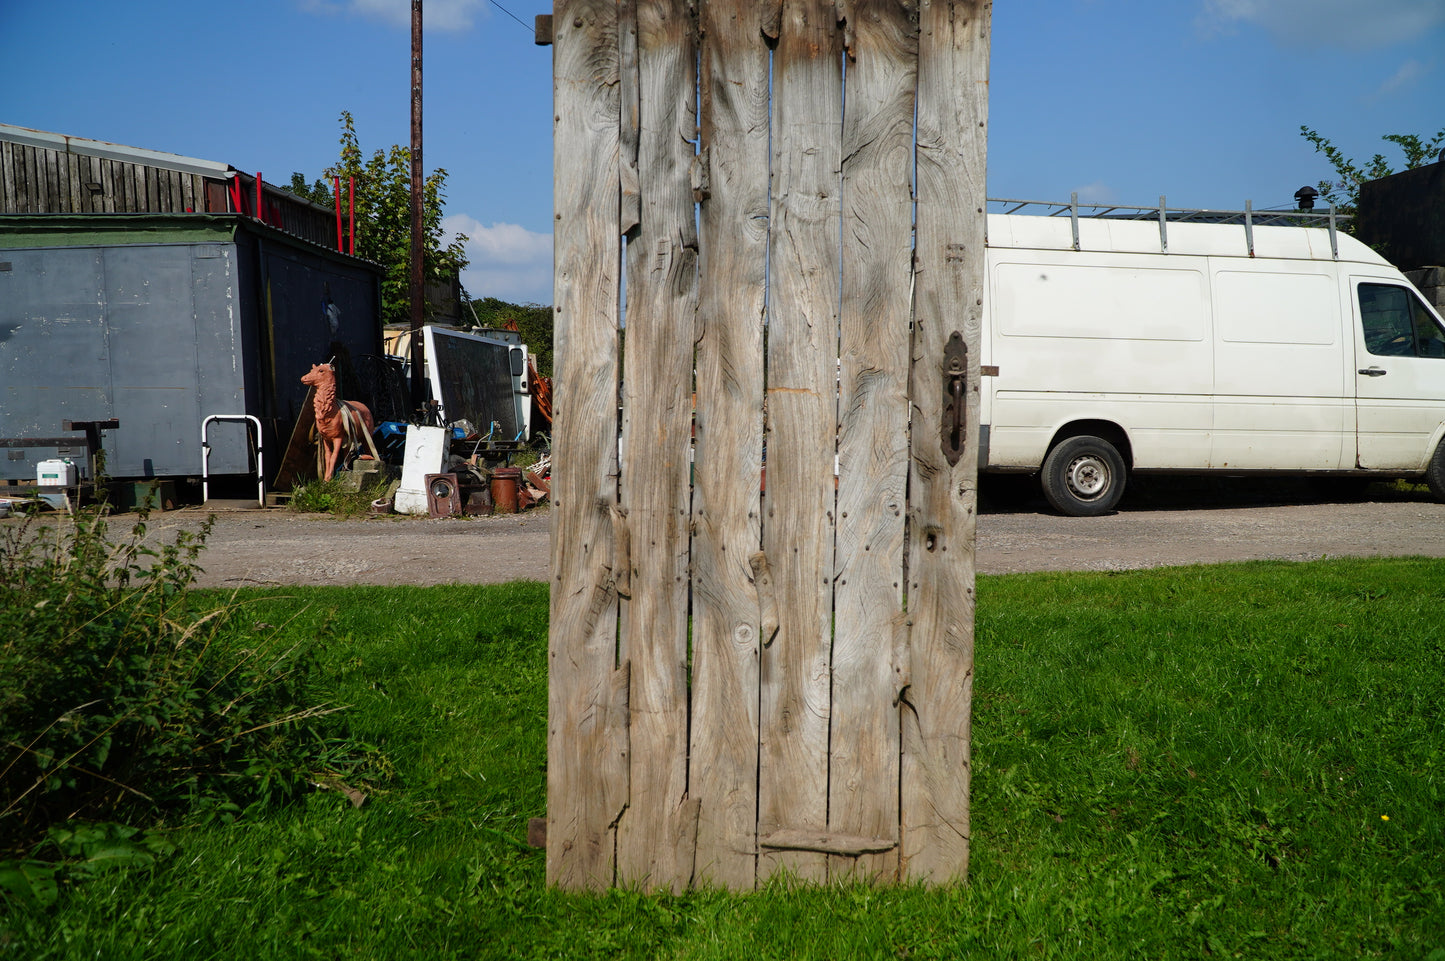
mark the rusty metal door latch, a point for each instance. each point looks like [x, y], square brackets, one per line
[955, 386]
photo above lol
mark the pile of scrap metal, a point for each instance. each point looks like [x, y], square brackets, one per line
[448, 473]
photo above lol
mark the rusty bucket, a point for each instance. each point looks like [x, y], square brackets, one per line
[505, 482]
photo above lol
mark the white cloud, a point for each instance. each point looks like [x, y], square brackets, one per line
[1340, 23]
[445, 15]
[508, 261]
[1097, 192]
[1409, 73]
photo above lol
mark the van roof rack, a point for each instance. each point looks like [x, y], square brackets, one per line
[1249, 217]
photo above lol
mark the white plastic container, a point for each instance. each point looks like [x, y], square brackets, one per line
[56, 473]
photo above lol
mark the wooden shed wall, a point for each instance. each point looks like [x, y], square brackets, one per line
[38, 180]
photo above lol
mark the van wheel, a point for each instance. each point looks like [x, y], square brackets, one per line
[1435, 473]
[1083, 477]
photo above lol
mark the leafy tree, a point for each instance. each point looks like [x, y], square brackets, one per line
[534, 322]
[382, 205]
[318, 193]
[1344, 193]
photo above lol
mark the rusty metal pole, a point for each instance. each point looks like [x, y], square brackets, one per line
[417, 286]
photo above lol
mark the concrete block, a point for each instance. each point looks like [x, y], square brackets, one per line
[363, 474]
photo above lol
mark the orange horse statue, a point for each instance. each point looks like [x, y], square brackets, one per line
[339, 424]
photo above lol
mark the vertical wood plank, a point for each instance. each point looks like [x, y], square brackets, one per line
[629, 211]
[877, 211]
[733, 194]
[192, 188]
[656, 441]
[54, 190]
[630, 107]
[7, 176]
[78, 200]
[586, 723]
[70, 178]
[88, 169]
[124, 186]
[62, 182]
[36, 169]
[153, 200]
[109, 185]
[802, 351]
[130, 200]
[44, 199]
[28, 180]
[952, 117]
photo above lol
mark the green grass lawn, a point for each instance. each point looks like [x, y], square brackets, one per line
[1235, 761]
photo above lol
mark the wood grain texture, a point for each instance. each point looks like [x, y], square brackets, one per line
[877, 219]
[802, 350]
[631, 102]
[949, 284]
[45, 197]
[587, 686]
[33, 181]
[733, 224]
[7, 177]
[74, 174]
[656, 444]
[845, 846]
[108, 185]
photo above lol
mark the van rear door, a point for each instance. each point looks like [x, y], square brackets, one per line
[1399, 376]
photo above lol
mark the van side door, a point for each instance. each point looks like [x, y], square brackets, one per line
[1283, 400]
[1399, 376]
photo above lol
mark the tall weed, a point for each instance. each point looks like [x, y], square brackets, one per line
[124, 699]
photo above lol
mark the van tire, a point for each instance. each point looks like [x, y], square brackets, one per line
[1083, 476]
[1435, 473]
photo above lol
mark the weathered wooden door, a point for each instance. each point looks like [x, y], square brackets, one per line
[762, 546]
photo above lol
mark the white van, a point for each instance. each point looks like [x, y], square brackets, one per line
[1159, 344]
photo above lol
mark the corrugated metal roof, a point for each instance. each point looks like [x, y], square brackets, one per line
[114, 151]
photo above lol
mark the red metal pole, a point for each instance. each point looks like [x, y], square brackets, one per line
[236, 195]
[336, 188]
[258, 197]
[351, 215]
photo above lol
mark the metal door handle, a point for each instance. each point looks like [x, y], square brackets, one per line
[1372, 371]
[955, 377]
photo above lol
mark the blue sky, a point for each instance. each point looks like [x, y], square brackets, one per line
[1120, 100]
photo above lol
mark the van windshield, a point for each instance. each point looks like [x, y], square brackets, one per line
[1397, 323]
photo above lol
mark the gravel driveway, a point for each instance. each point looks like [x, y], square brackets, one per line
[1163, 523]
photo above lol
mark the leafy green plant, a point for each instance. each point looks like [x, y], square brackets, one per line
[125, 698]
[1344, 193]
[332, 497]
[80, 852]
